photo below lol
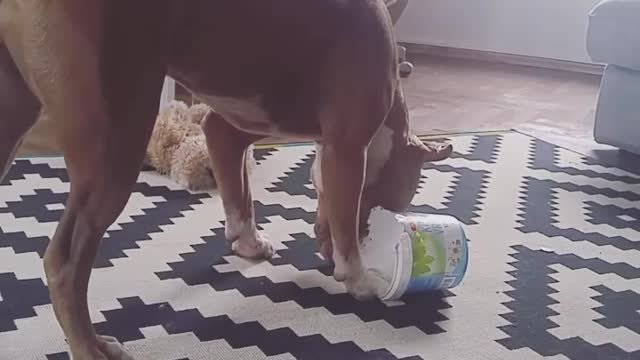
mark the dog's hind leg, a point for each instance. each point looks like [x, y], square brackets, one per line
[19, 109]
[228, 152]
[98, 67]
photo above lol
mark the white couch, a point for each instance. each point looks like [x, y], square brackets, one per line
[614, 39]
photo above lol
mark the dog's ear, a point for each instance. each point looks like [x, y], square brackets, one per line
[430, 151]
[436, 151]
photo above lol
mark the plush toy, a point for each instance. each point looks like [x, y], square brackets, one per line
[178, 147]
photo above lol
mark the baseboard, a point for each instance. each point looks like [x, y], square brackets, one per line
[510, 59]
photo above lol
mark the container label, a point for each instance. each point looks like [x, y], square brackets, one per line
[429, 251]
[439, 255]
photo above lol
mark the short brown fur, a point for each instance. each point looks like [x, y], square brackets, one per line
[96, 67]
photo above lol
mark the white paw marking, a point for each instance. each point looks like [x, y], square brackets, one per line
[378, 153]
[316, 170]
[236, 226]
[366, 284]
[363, 284]
[247, 241]
[341, 267]
[256, 247]
[113, 349]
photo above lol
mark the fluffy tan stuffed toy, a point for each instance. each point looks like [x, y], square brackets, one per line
[178, 147]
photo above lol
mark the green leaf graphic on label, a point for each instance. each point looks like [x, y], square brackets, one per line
[420, 268]
[421, 258]
[419, 247]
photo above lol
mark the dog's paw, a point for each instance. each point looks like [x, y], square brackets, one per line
[363, 284]
[254, 247]
[366, 285]
[112, 349]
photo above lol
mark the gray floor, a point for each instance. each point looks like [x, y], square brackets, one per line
[453, 95]
[450, 95]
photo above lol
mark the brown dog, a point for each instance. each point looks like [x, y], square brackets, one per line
[324, 70]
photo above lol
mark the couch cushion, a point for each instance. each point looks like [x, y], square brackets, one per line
[617, 120]
[613, 35]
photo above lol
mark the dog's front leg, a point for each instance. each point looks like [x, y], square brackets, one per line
[228, 152]
[343, 167]
[321, 228]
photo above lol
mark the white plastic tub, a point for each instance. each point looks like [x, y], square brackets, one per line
[415, 252]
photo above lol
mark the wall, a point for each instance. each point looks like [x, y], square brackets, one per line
[543, 28]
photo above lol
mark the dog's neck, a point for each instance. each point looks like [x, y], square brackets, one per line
[395, 150]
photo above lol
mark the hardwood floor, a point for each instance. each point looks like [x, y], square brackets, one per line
[451, 95]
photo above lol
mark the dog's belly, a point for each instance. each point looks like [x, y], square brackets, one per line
[250, 114]
[247, 114]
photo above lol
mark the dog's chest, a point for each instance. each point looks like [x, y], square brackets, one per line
[378, 154]
[247, 113]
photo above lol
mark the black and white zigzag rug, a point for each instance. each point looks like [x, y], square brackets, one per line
[554, 267]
